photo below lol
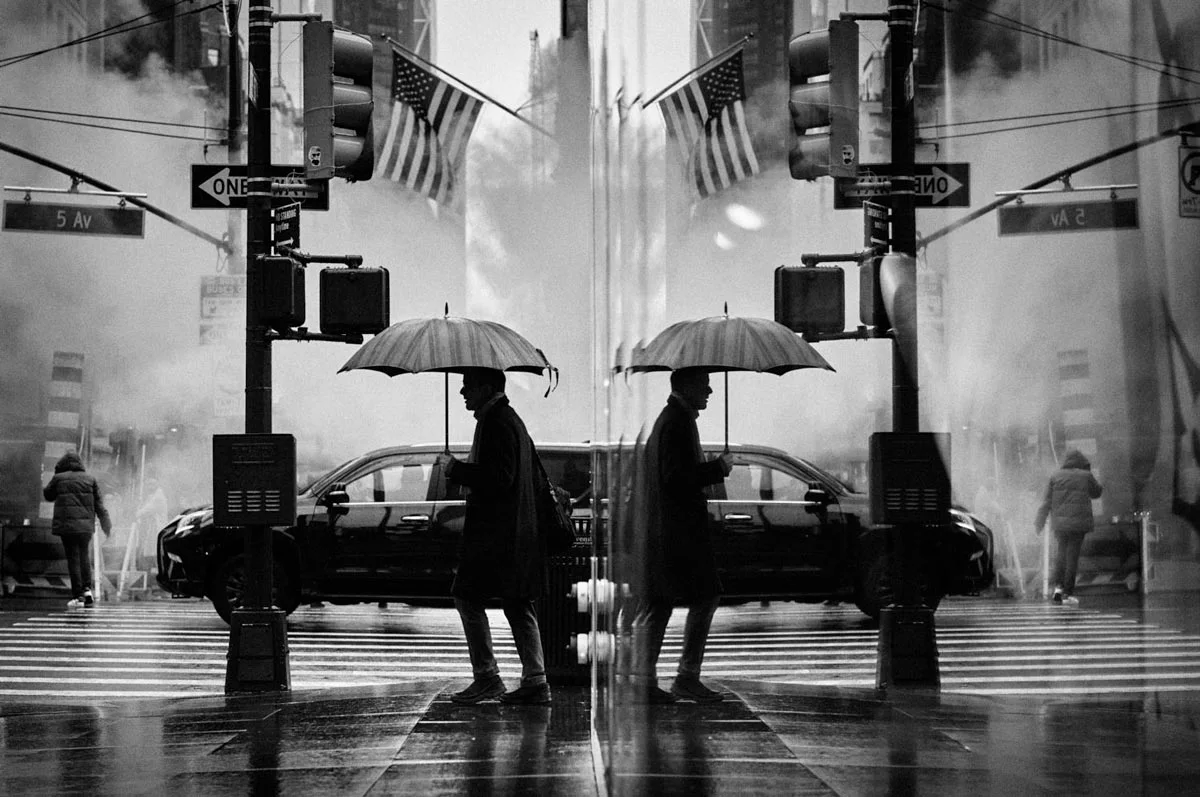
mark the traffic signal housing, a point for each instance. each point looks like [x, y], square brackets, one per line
[823, 70]
[871, 310]
[355, 300]
[339, 138]
[280, 292]
[811, 299]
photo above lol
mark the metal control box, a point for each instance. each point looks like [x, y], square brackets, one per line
[355, 300]
[910, 478]
[254, 479]
[811, 298]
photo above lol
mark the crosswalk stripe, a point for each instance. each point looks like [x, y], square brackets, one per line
[989, 647]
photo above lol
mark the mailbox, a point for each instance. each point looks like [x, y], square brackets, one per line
[254, 479]
[910, 478]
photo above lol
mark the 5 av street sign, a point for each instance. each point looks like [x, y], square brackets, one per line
[1024, 219]
[939, 185]
[21, 216]
[218, 186]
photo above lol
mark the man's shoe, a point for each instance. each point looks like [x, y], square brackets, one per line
[1057, 597]
[536, 695]
[654, 695]
[88, 600]
[692, 689]
[480, 689]
[1070, 600]
[75, 603]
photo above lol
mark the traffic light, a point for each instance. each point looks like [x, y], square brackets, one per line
[871, 310]
[824, 111]
[339, 139]
[811, 299]
[280, 292]
[355, 300]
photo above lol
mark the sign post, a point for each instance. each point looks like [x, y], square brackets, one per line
[937, 185]
[1030, 218]
[1189, 182]
[223, 186]
[22, 216]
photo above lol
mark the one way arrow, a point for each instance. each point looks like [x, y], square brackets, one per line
[942, 185]
[209, 186]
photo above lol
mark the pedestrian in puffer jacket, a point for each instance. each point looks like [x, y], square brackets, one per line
[1068, 504]
[77, 504]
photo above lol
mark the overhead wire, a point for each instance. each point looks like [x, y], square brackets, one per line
[112, 30]
[1093, 117]
[14, 115]
[1016, 25]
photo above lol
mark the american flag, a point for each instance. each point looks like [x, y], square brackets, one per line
[706, 118]
[426, 143]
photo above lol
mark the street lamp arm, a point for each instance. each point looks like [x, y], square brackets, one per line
[79, 176]
[1059, 175]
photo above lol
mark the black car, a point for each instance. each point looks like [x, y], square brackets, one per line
[384, 527]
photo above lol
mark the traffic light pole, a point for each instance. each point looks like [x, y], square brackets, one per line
[907, 653]
[258, 655]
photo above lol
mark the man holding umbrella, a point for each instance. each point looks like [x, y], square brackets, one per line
[681, 567]
[500, 555]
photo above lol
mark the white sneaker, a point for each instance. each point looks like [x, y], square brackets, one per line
[1070, 600]
[75, 603]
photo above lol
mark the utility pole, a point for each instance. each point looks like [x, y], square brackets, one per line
[258, 656]
[907, 642]
[236, 114]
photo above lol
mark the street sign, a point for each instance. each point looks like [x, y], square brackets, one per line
[876, 233]
[287, 225]
[939, 185]
[218, 186]
[1189, 182]
[21, 216]
[222, 309]
[1027, 218]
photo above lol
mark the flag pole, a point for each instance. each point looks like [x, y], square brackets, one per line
[735, 46]
[409, 53]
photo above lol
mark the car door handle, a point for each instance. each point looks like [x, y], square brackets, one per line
[414, 519]
[734, 518]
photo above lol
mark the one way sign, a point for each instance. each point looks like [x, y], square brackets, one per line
[217, 186]
[939, 185]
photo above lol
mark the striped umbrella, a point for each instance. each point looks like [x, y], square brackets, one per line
[722, 343]
[449, 344]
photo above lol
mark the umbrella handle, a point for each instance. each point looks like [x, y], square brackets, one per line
[726, 412]
[446, 406]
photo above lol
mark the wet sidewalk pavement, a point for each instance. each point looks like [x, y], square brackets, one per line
[768, 739]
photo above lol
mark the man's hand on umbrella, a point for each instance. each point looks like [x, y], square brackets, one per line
[446, 462]
[727, 461]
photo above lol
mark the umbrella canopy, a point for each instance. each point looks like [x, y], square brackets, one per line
[722, 343]
[449, 344]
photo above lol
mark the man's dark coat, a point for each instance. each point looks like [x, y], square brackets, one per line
[499, 554]
[76, 497]
[681, 563]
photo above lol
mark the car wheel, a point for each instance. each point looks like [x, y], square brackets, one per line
[875, 590]
[227, 590]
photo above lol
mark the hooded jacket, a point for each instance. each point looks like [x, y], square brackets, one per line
[1068, 498]
[76, 497]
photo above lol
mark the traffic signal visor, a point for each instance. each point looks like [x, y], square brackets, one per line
[338, 103]
[823, 70]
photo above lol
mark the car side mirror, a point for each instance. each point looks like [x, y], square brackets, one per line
[334, 499]
[817, 500]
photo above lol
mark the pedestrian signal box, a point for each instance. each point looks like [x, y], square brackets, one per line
[280, 292]
[355, 300]
[254, 479]
[910, 478]
[811, 299]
